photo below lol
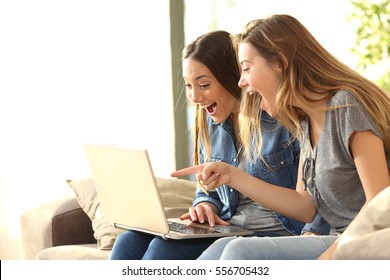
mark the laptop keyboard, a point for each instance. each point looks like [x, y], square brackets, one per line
[188, 229]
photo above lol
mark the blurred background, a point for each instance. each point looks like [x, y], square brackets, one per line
[110, 71]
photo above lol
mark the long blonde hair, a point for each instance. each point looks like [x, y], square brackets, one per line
[309, 68]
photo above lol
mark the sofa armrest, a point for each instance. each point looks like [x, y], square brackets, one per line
[59, 222]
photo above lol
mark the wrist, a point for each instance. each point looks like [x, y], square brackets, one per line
[209, 204]
[234, 176]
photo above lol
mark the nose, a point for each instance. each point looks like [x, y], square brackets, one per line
[195, 96]
[242, 82]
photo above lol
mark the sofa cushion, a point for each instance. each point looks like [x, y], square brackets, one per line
[78, 231]
[73, 252]
[86, 195]
[176, 195]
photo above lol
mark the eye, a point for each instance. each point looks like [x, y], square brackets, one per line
[187, 85]
[204, 86]
[245, 67]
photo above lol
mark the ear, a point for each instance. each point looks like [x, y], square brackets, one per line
[284, 60]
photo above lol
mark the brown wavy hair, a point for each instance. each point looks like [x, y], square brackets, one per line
[217, 51]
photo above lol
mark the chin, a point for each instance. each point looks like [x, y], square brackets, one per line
[218, 120]
[269, 112]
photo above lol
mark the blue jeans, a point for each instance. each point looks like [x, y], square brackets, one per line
[268, 248]
[133, 245]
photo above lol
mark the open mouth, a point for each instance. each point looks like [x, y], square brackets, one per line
[211, 108]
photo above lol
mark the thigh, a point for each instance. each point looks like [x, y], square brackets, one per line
[215, 250]
[170, 249]
[131, 245]
[277, 248]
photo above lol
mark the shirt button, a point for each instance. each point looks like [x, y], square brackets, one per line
[231, 190]
[282, 162]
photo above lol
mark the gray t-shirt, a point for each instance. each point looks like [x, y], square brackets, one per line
[337, 191]
[252, 215]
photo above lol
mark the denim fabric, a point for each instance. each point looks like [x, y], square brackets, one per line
[268, 248]
[280, 153]
[133, 245]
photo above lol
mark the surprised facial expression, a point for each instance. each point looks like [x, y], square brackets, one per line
[204, 89]
[259, 77]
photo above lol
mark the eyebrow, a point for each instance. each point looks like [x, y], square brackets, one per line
[199, 77]
[245, 60]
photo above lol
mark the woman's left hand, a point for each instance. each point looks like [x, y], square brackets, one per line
[211, 175]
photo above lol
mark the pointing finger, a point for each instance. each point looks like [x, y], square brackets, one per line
[187, 171]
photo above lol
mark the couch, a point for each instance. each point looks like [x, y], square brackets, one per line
[74, 227]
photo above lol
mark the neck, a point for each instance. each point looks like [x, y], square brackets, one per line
[316, 112]
[235, 116]
[316, 121]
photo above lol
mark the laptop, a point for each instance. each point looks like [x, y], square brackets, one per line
[130, 198]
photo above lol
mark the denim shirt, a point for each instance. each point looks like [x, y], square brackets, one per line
[280, 154]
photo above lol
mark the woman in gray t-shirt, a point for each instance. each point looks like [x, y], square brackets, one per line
[341, 119]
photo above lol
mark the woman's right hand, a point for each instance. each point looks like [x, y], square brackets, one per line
[204, 212]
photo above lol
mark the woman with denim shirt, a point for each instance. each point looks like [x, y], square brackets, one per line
[211, 74]
[281, 157]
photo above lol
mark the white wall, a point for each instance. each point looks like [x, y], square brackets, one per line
[75, 71]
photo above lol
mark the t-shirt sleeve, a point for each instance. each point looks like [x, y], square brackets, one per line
[352, 118]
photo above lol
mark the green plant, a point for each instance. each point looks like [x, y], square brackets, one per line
[372, 19]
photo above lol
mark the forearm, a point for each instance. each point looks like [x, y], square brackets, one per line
[285, 201]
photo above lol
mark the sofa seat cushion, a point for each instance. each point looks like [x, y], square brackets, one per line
[73, 252]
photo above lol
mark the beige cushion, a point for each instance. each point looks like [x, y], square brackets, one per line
[73, 252]
[176, 194]
[368, 236]
[86, 195]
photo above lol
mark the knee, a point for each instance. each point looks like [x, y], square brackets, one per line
[251, 248]
[125, 237]
[235, 250]
[214, 251]
[157, 250]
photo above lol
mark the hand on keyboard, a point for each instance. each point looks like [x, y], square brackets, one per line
[204, 212]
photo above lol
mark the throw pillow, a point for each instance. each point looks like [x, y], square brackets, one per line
[368, 236]
[86, 195]
[176, 195]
